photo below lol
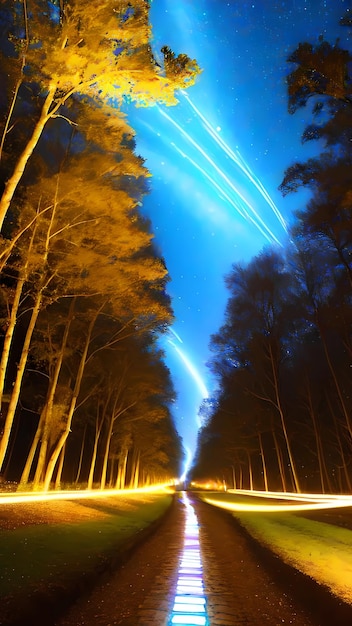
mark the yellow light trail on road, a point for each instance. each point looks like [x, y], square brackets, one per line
[77, 495]
[307, 502]
[290, 495]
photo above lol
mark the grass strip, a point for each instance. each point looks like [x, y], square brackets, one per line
[320, 550]
[42, 555]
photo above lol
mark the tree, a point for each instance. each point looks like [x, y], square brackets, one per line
[101, 55]
[321, 70]
[251, 348]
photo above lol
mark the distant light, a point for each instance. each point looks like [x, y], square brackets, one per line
[218, 128]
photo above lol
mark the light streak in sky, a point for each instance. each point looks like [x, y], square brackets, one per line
[223, 176]
[30, 496]
[189, 365]
[175, 334]
[191, 368]
[237, 159]
[187, 463]
[236, 205]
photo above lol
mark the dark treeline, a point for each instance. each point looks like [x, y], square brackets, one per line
[282, 416]
[85, 394]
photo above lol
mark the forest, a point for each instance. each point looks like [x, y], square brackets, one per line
[85, 393]
[281, 418]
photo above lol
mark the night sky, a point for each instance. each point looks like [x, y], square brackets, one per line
[218, 158]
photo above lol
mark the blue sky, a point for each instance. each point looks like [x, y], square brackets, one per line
[218, 157]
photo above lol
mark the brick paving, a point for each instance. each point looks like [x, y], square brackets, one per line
[141, 592]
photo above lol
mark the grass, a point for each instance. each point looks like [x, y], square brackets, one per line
[321, 550]
[56, 555]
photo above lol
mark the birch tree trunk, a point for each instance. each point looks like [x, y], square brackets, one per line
[48, 408]
[106, 454]
[18, 381]
[81, 456]
[12, 182]
[60, 468]
[121, 472]
[13, 317]
[98, 426]
[56, 452]
[10, 331]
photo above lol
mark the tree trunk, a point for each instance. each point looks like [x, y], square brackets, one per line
[19, 378]
[279, 461]
[283, 421]
[233, 476]
[135, 482]
[29, 461]
[55, 454]
[336, 382]
[81, 456]
[13, 317]
[250, 471]
[42, 457]
[340, 446]
[12, 182]
[319, 446]
[106, 453]
[10, 331]
[263, 463]
[60, 468]
[121, 472]
[48, 408]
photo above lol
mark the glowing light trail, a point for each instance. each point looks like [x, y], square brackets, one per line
[192, 370]
[189, 606]
[237, 159]
[175, 334]
[241, 210]
[309, 502]
[187, 463]
[78, 495]
[291, 495]
[219, 171]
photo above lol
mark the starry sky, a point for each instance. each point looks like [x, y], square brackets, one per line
[217, 159]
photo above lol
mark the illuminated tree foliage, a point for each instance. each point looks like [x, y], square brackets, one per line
[282, 417]
[83, 288]
[64, 51]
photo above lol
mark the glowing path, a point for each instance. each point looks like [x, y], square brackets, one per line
[189, 606]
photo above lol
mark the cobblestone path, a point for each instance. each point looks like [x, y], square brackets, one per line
[245, 585]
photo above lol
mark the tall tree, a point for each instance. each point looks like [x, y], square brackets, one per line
[103, 54]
